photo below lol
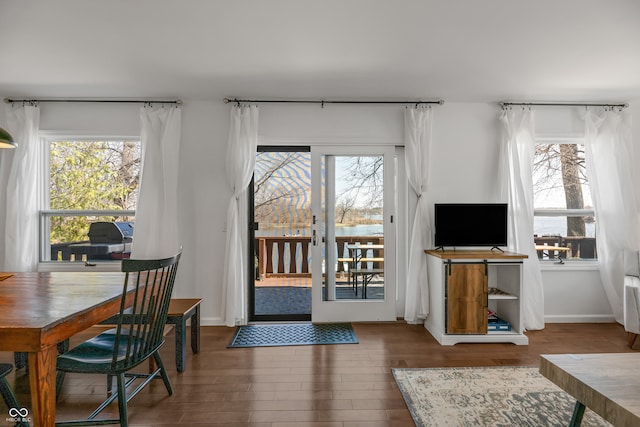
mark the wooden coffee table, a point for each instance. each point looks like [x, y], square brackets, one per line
[608, 384]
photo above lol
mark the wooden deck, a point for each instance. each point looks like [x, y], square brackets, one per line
[298, 281]
[295, 281]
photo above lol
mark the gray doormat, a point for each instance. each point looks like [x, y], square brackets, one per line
[293, 334]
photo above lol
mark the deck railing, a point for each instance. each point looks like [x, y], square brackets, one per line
[290, 256]
[577, 247]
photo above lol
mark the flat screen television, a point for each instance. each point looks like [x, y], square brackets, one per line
[470, 224]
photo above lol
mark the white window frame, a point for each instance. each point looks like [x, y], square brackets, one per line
[582, 264]
[46, 212]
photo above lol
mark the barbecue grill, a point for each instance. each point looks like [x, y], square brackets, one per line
[107, 241]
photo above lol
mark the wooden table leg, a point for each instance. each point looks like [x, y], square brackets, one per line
[42, 380]
[181, 343]
[181, 336]
[195, 330]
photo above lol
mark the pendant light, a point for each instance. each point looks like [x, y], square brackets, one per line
[6, 140]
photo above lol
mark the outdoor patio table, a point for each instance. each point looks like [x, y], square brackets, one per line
[357, 253]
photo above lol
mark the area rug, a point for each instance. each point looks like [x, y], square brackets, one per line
[497, 396]
[274, 335]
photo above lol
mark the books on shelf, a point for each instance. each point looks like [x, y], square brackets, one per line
[495, 323]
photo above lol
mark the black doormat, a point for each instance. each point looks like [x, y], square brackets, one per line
[293, 334]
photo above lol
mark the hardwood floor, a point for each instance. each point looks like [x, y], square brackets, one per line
[322, 386]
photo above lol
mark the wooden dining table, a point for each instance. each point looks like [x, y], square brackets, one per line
[39, 310]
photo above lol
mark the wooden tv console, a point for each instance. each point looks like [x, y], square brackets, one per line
[464, 285]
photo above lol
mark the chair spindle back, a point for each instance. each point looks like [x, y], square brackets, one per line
[144, 310]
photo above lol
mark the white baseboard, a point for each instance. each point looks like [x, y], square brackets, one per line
[561, 318]
[580, 318]
[211, 321]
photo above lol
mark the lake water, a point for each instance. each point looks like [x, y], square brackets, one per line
[543, 226]
[557, 226]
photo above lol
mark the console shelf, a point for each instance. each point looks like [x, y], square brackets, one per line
[495, 293]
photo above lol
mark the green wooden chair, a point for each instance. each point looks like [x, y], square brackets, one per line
[15, 410]
[136, 337]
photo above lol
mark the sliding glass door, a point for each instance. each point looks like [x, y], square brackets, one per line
[353, 234]
[280, 235]
[323, 234]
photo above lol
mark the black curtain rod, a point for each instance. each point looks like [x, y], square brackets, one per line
[561, 104]
[322, 101]
[136, 101]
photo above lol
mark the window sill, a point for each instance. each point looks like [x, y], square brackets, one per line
[79, 266]
[570, 266]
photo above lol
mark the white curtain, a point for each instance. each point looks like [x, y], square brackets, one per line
[240, 161]
[417, 149]
[609, 158]
[518, 149]
[156, 228]
[19, 176]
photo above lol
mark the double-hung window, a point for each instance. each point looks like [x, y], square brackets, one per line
[89, 200]
[564, 220]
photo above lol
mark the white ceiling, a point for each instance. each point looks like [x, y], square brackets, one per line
[458, 50]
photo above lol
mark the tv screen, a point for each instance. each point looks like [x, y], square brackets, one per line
[470, 224]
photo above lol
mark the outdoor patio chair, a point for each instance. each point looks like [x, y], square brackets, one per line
[137, 337]
[588, 248]
[15, 410]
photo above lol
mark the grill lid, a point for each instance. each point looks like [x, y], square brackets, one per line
[110, 232]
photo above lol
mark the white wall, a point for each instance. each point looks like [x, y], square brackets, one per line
[465, 153]
[574, 295]
[634, 111]
[91, 118]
